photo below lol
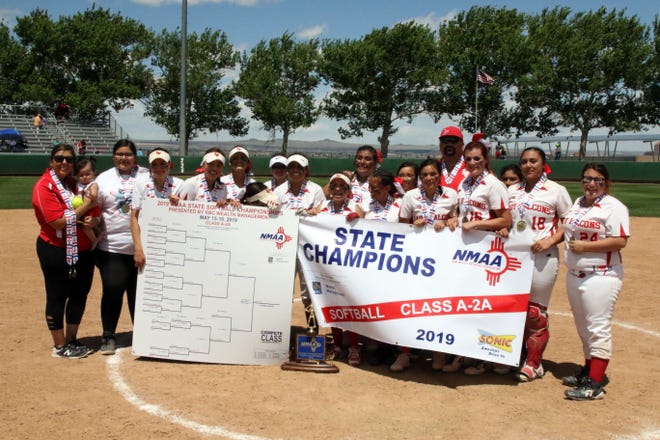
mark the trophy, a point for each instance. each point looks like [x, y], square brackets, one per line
[309, 353]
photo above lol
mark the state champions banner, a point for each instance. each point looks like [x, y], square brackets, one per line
[455, 292]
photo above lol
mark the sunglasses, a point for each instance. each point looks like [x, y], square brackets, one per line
[596, 180]
[60, 159]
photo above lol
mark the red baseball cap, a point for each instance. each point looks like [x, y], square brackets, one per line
[451, 131]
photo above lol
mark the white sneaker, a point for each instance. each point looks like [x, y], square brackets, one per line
[438, 361]
[455, 365]
[401, 363]
[354, 356]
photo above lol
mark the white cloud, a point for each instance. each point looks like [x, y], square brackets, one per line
[431, 20]
[312, 32]
[7, 16]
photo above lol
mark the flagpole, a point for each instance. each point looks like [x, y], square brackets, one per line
[476, 99]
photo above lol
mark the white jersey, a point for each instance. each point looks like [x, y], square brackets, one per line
[360, 191]
[541, 209]
[234, 192]
[310, 196]
[607, 217]
[145, 188]
[375, 211]
[114, 200]
[194, 189]
[442, 207]
[270, 184]
[476, 202]
[348, 207]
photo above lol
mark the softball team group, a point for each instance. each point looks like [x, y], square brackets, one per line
[86, 222]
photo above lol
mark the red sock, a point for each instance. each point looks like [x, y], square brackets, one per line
[597, 369]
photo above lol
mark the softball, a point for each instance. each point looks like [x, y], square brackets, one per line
[76, 202]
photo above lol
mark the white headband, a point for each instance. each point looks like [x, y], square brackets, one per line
[159, 154]
[213, 156]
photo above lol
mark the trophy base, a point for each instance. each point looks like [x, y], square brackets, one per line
[314, 367]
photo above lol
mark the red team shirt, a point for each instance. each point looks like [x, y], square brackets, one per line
[49, 206]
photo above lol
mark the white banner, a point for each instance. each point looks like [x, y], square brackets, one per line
[217, 284]
[457, 293]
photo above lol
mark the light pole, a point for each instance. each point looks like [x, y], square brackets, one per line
[183, 147]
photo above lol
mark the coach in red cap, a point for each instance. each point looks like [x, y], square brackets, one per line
[451, 163]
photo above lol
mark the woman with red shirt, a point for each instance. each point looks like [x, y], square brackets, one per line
[64, 251]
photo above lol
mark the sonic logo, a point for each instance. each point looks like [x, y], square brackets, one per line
[279, 237]
[501, 342]
[495, 260]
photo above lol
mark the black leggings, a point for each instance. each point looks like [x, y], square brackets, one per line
[64, 294]
[118, 275]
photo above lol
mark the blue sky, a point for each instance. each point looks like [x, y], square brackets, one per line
[246, 22]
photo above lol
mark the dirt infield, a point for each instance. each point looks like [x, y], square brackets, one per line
[121, 396]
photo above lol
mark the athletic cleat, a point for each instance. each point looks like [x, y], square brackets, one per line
[82, 346]
[578, 379]
[438, 361]
[108, 345]
[69, 351]
[479, 368]
[589, 390]
[353, 356]
[528, 373]
[401, 363]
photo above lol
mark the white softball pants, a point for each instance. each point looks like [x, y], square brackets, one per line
[592, 296]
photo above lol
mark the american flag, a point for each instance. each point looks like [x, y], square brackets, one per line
[484, 78]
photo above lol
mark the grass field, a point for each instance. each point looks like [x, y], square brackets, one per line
[642, 199]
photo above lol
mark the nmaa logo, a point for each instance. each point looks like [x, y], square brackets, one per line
[279, 237]
[495, 260]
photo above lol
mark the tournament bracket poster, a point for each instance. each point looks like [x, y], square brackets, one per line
[217, 285]
[455, 292]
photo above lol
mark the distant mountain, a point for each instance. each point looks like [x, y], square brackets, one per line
[324, 147]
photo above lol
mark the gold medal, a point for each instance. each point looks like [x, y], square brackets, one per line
[465, 219]
[521, 225]
[125, 209]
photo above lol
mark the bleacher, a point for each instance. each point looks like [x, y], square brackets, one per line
[99, 137]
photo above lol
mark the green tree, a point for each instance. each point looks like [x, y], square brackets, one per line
[491, 39]
[10, 56]
[277, 81]
[91, 60]
[588, 71]
[386, 76]
[210, 107]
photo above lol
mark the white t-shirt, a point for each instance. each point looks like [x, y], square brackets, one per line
[541, 209]
[375, 211]
[193, 189]
[144, 188]
[442, 207]
[310, 196]
[477, 202]
[234, 192]
[605, 218]
[115, 199]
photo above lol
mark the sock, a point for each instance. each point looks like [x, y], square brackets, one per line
[597, 369]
